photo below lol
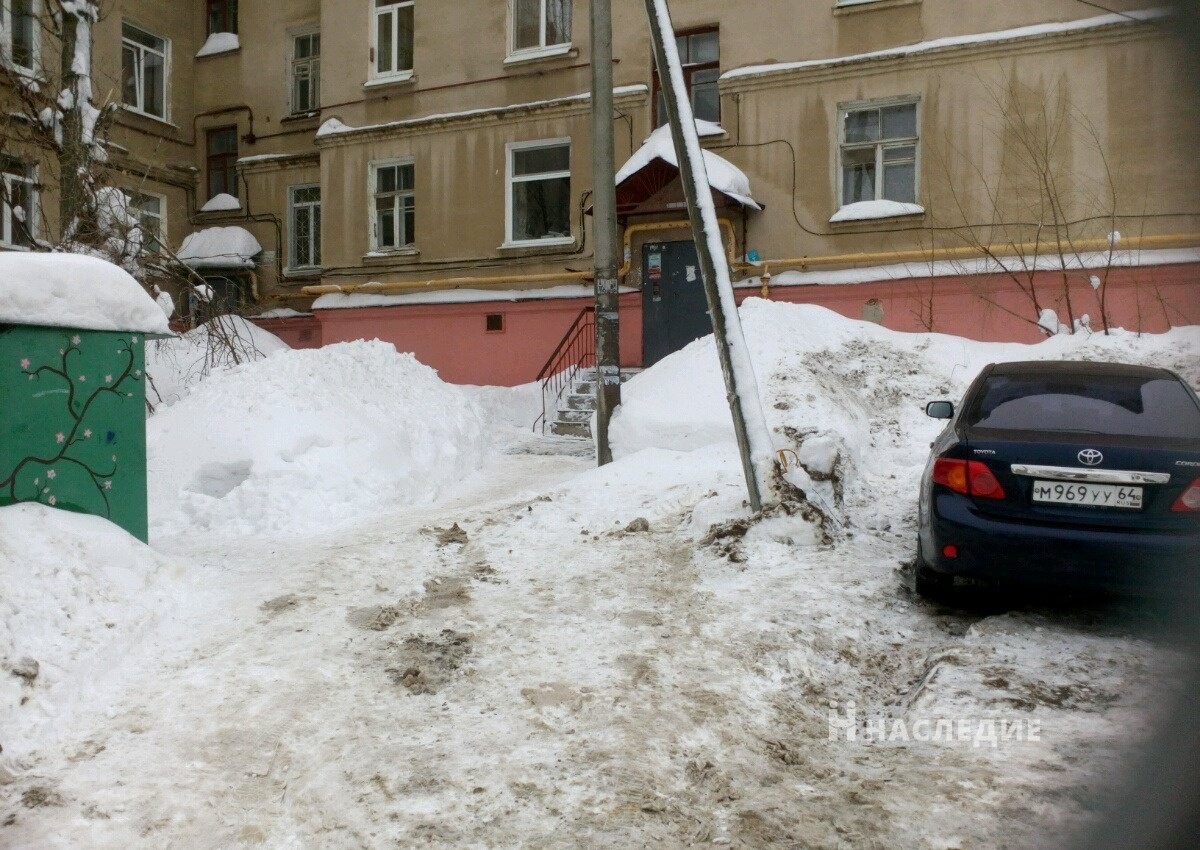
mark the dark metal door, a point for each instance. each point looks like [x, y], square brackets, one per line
[674, 309]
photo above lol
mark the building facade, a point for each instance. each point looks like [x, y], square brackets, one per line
[426, 171]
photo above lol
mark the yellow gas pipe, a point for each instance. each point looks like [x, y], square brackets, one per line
[1131, 243]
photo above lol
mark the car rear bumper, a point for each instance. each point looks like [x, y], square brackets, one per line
[1138, 562]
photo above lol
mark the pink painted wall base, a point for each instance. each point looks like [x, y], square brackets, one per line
[455, 338]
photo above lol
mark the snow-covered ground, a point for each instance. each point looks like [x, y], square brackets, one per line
[539, 653]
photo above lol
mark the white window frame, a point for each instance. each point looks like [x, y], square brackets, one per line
[131, 195]
[315, 237]
[880, 145]
[510, 179]
[313, 64]
[6, 45]
[30, 178]
[396, 74]
[410, 246]
[140, 81]
[541, 49]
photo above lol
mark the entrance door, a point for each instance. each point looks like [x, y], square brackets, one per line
[674, 309]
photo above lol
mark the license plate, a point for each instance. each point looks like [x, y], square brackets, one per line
[1088, 495]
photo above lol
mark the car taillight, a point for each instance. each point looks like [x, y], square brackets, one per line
[967, 477]
[1189, 499]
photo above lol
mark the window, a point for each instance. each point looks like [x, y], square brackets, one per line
[222, 162]
[222, 16]
[394, 203]
[18, 203]
[144, 71]
[879, 153]
[493, 323]
[151, 211]
[1109, 405]
[700, 54]
[393, 38]
[539, 191]
[540, 24]
[19, 18]
[306, 73]
[305, 218]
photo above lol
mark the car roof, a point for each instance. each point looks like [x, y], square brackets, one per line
[1081, 368]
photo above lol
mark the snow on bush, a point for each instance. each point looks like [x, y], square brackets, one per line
[303, 440]
[848, 396]
[76, 593]
[175, 365]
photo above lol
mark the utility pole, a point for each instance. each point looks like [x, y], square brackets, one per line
[604, 225]
[741, 385]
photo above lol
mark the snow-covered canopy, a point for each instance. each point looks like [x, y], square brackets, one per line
[220, 248]
[74, 291]
[723, 175]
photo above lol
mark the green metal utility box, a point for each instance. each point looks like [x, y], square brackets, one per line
[73, 404]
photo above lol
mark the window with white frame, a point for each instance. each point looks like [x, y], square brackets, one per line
[306, 72]
[305, 222]
[879, 153]
[20, 34]
[539, 191]
[18, 203]
[393, 38]
[540, 24]
[144, 71]
[151, 212]
[393, 201]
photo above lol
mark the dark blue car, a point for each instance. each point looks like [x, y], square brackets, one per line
[1083, 475]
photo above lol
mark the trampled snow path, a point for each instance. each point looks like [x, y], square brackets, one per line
[555, 680]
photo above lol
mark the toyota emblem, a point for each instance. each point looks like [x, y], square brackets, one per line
[1090, 457]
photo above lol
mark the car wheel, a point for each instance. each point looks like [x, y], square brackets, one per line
[929, 583]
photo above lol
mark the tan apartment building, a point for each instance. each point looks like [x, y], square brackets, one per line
[923, 163]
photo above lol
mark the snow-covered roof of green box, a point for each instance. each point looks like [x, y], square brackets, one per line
[74, 291]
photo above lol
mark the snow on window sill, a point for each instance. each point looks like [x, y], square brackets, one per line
[870, 210]
[535, 54]
[29, 74]
[384, 254]
[390, 80]
[222, 203]
[552, 242]
[133, 110]
[306, 272]
[849, 7]
[219, 44]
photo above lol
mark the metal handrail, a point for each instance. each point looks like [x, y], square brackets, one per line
[575, 351]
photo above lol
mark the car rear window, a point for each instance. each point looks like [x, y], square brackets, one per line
[1091, 404]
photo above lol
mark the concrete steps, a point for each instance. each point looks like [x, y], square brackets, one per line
[574, 415]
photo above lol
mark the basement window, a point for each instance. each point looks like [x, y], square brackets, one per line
[494, 323]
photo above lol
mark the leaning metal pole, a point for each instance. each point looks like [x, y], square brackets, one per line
[604, 225]
[741, 385]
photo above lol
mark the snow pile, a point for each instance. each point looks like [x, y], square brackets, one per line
[174, 366]
[847, 397]
[74, 291]
[219, 42]
[76, 594]
[220, 248]
[867, 210]
[223, 202]
[723, 175]
[303, 440]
